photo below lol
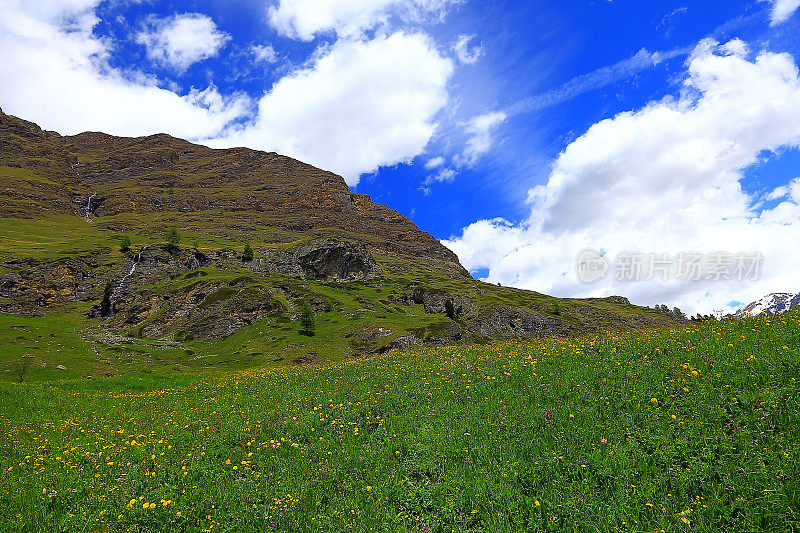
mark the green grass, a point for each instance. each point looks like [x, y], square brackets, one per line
[362, 309]
[690, 429]
[53, 340]
[51, 237]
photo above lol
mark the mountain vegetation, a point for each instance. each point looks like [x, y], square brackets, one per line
[231, 340]
[212, 254]
[692, 428]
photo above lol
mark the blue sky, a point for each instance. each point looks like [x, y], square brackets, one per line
[498, 127]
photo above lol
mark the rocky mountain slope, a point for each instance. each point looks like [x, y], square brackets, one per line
[772, 304]
[373, 280]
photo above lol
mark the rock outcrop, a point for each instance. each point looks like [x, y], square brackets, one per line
[376, 280]
[510, 322]
[328, 260]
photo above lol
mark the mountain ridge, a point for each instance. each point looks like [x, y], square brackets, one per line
[141, 174]
[160, 225]
[772, 304]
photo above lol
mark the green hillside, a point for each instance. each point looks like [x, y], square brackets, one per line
[353, 319]
[689, 429]
[373, 280]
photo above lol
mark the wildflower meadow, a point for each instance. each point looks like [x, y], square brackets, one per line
[686, 429]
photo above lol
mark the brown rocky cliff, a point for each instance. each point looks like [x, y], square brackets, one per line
[35, 171]
[239, 194]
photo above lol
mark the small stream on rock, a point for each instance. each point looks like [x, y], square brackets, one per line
[89, 207]
[136, 260]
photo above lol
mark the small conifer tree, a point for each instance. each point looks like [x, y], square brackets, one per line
[105, 305]
[173, 239]
[307, 325]
[125, 244]
[450, 309]
[247, 255]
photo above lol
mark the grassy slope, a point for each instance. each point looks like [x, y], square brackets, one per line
[675, 430]
[360, 310]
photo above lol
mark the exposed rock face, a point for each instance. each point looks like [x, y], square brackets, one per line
[435, 302]
[154, 264]
[204, 310]
[34, 172]
[329, 260]
[201, 310]
[510, 322]
[303, 222]
[41, 283]
[499, 321]
[236, 194]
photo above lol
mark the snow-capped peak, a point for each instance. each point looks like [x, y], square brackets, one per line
[772, 304]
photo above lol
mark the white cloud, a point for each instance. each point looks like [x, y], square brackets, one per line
[782, 10]
[480, 138]
[480, 130]
[360, 105]
[777, 193]
[462, 51]
[182, 40]
[663, 179]
[642, 60]
[444, 175]
[434, 162]
[735, 47]
[304, 19]
[62, 79]
[265, 53]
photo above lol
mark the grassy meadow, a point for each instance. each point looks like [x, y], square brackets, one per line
[687, 429]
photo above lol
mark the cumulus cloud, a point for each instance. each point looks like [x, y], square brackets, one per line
[360, 105]
[782, 10]
[62, 79]
[464, 53]
[182, 40]
[663, 179]
[304, 19]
